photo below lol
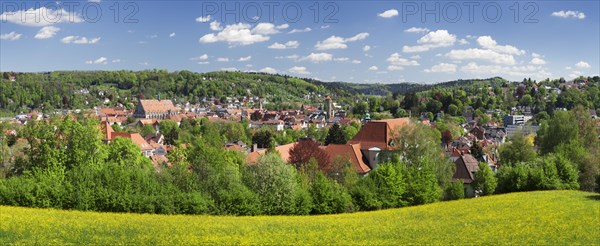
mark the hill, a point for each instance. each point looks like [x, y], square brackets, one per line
[85, 89]
[543, 217]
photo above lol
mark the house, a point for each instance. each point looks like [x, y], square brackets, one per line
[283, 150]
[478, 132]
[466, 166]
[155, 109]
[109, 135]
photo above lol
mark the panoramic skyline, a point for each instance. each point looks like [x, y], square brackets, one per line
[386, 42]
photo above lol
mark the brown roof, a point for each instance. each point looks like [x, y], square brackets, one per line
[107, 130]
[466, 166]
[136, 138]
[157, 106]
[378, 133]
[349, 151]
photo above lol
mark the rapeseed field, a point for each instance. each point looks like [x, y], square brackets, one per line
[532, 218]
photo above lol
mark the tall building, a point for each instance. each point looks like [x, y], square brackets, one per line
[328, 107]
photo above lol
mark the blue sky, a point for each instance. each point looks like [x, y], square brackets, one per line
[353, 41]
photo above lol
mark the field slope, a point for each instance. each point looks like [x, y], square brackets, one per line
[546, 217]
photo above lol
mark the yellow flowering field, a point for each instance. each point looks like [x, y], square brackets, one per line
[532, 218]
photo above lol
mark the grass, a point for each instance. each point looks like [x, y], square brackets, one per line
[544, 217]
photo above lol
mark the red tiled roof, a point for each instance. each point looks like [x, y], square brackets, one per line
[378, 133]
[349, 151]
[157, 106]
[283, 150]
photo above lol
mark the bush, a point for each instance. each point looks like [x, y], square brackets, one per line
[328, 196]
[455, 191]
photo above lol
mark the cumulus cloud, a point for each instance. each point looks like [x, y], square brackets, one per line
[583, 64]
[172, 35]
[230, 69]
[442, 68]
[298, 70]
[241, 34]
[398, 63]
[47, 32]
[290, 57]
[288, 45]
[215, 26]
[366, 48]
[417, 30]
[10, 36]
[569, 14]
[300, 30]
[537, 72]
[335, 42]
[435, 39]
[79, 40]
[388, 13]
[373, 68]
[268, 70]
[204, 19]
[481, 54]
[100, 60]
[245, 58]
[40, 17]
[537, 61]
[491, 44]
[318, 57]
[197, 58]
[222, 59]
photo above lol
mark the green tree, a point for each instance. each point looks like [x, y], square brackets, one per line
[562, 128]
[485, 181]
[517, 150]
[328, 196]
[335, 135]
[170, 130]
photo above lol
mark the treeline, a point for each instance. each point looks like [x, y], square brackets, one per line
[69, 167]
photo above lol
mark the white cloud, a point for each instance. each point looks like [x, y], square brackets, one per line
[388, 13]
[398, 63]
[463, 41]
[335, 42]
[366, 48]
[288, 45]
[341, 59]
[583, 64]
[101, 60]
[203, 19]
[40, 17]
[222, 59]
[230, 69]
[47, 32]
[172, 35]
[266, 29]
[517, 72]
[203, 62]
[373, 68]
[290, 57]
[355, 62]
[202, 57]
[145, 64]
[535, 55]
[298, 70]
[569, 14]
[245, 58]
[79, 40]
[215, 26]
[435, 39]
[300, 30]
[324, 26]
[318, 57]
[417, 30]
[442, 68]
[575, 74]
[282, 26]
[10, 36]
[568, 68]
[240, 34]
[268, 70]
[489, 43]
[537, 61]
[481, 54]
[116, 60]
[415, 57]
